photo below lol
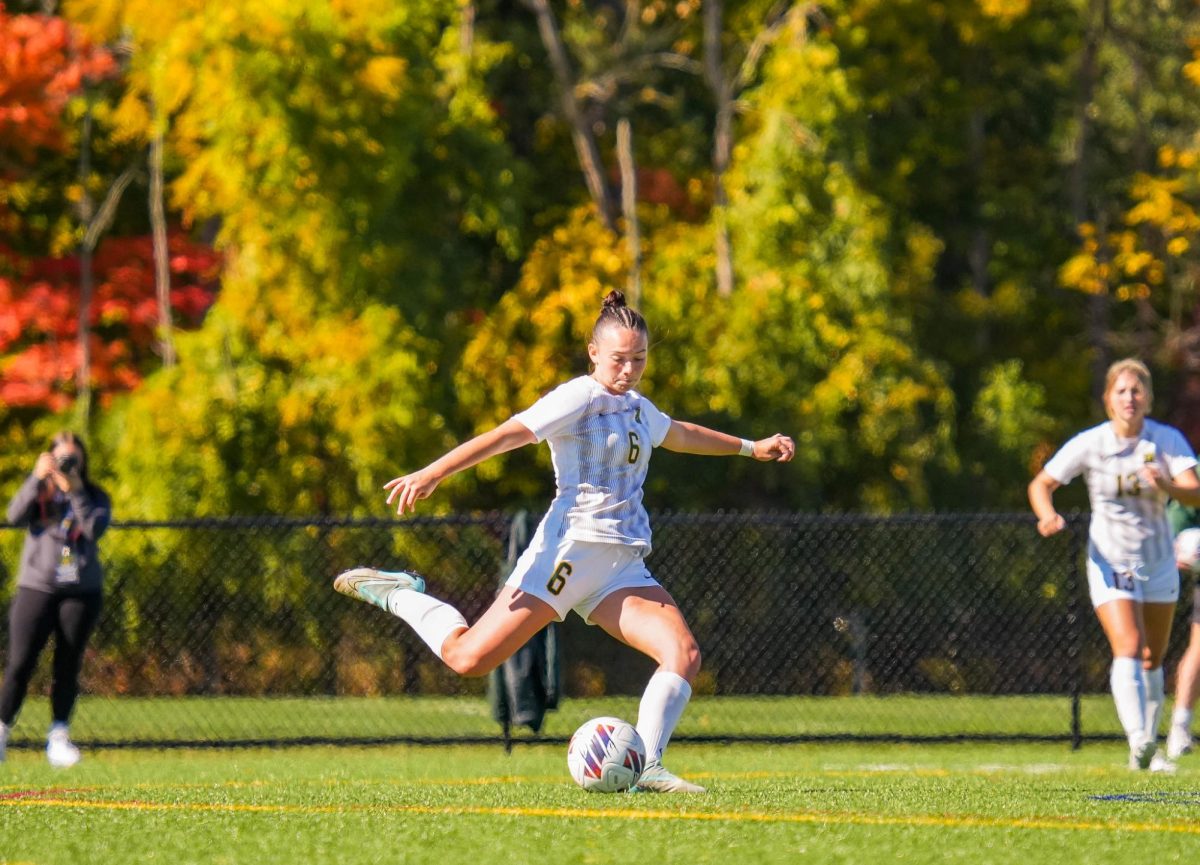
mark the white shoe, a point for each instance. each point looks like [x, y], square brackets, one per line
[3, 741]
[656, 779]
[1159, 763]
[1140, 755]
[374, 586]
[1179, 742]
[60, 750]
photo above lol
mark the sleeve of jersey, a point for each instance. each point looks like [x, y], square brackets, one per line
[660, 423]
[556, 411]
[1067, 464]
[1181, 457]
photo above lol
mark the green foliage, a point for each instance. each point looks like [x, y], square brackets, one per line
[963, 132]
[821, 317]
[280, 425]
[363, 192]
[1011, 411]
[408, 260]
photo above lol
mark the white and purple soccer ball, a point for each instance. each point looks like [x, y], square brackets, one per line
[606, 755]
[1187, 550]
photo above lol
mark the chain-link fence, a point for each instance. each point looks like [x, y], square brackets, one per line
[909, 627]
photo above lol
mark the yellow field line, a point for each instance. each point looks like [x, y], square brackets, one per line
[812, 817]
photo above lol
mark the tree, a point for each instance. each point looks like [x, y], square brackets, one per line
[363, 194]
[39, 320]
[965, 136]
[1137, 252]
[727, 79]
[814, 343]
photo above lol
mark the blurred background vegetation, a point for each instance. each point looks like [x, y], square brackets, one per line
[267, 256]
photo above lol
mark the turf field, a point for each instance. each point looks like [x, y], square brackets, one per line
[1021, 803]
[204, 720]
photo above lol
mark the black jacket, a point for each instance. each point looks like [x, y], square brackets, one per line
[54, 519]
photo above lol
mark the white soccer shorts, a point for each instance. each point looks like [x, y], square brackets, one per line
[1159, 585]
[578, 575]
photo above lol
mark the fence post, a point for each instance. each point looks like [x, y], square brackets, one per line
[1075, 626]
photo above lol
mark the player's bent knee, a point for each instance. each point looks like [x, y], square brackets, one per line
[467, 662]
[687, 660]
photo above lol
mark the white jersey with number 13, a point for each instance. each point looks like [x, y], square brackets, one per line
[1129, 526]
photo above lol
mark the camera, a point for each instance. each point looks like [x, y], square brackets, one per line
[67, 463]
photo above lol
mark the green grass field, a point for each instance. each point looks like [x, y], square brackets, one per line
[771, 804]
[205, 720]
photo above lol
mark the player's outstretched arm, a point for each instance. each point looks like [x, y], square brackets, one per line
[690, 438]
[407, 490]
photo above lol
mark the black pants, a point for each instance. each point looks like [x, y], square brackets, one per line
[32, 618]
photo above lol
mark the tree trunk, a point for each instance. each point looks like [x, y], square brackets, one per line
[162, 270]
[466, 31]
[83, 375]
[585, 142]
[1098, 305]
[629, 209]
[722, 150]
[979, 251]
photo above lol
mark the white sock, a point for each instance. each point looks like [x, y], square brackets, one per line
[1129, 693]
[663, 702]
[1154, 700]
[433, 620]
[1182, 718]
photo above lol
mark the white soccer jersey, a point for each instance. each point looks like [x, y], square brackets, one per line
[1129, 524]
[600, 445]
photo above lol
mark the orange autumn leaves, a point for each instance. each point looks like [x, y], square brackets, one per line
[44, 64]
[39, 319]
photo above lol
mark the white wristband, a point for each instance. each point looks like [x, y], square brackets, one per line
[747, 448]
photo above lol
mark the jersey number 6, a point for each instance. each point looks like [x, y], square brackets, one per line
[559, 578]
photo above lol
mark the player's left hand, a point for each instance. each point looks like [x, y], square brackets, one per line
[777, 448]
[1155, 478]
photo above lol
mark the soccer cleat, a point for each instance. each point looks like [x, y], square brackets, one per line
[1179, 742]
[1141, 755]
[656, 779]
[374, 586]
[60, 751]
[1159, 763]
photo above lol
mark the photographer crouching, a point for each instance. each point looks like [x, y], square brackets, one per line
[58, 586]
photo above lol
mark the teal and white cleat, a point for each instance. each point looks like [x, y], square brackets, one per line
[656, 779]
[374, 586]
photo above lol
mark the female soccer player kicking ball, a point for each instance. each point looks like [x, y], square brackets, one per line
[1131, 465]
[587, 554]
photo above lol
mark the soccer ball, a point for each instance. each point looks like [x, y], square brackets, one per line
[606, 755]
[1187, 549]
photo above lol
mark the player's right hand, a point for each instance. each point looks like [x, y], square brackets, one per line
[407, 490]
[44, 466]
[1051, 525]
